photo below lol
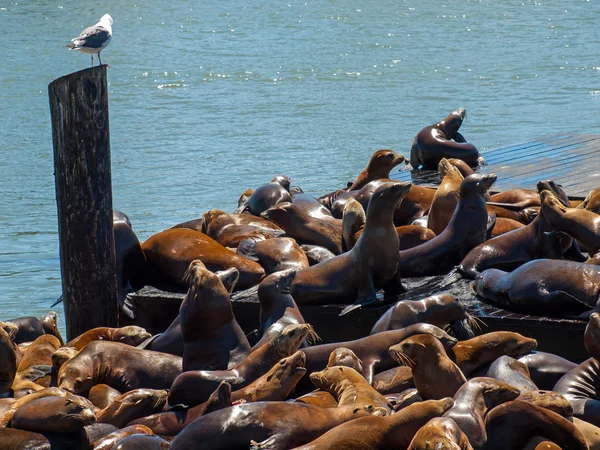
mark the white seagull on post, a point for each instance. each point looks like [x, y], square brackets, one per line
[94, 39]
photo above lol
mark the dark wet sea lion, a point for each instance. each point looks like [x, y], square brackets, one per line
[171, 422]
[376, 432]
[545, 286]
[277, 254]
[172, 251]
[130, 335]
[268, 195]
[39, 352]
[13, 439]
[313, 207]
[50, 324]
[29, 329]
[440, 433]
[355, 276]
[316, 254]
[120, 366]
[480, 350]
[220, 226]
[195, 386]
[581, 387]
[8, 363]
[142, 442]
[273, 425]
[466, 230]
[442, 140]
[513, 372]
[212, 338]
[511, 425]
[54, 414]
[131, 261]
[473, 401]
[277, 306]
[439, 310]
[446, 197]
[546, 369]
[379, 166]
[132, 405]
[591, 336]
[304, 228]
[109, 441]
[102, 395]
[434, 374]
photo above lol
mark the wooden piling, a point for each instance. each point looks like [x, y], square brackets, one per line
[82, 171]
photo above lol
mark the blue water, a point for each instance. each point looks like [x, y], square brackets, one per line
[210, 98]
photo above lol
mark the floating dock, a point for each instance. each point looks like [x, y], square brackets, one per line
[572, 161]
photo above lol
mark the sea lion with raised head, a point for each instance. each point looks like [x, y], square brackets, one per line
[380, 165]
[212, 338]
[442, 140]
[50, 324]
[268, 195]
[446, 197]
[355, 276]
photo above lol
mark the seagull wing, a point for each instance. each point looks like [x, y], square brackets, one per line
[92, 37]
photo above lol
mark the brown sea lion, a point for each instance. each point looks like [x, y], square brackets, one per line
[276, 384]
[316, 254]
[446, 197]
[504, 225]
[109, 441]
[195, 386]
[580, 388]
[102, 395]
[353, 221]
[439, 310]
[356, 276]
[440, 433]
[376, 432]
[132, 405]
[434, 374]
[8, 363]
[247, 220]
[268, 195]
[591, 202]
[212, 338]
[550, 287]
[39, 352]
[442, 140]
[13, 439]
[550, 400]
[49, 392]
[394, 380]
[220, 226]
[276, 425]
[581, 224]
[464, 168]
[120, 366]
[54, 414]
[304, 228]
[130, 335]
[172, 251]
[342, 356]
[473, 401]
[350, 389]
[545, 369]
[50, 324]
[277, 306]
[466, 230]
[512, 424]
[380, 165]
[275, 254]
[61, 356]
[170, 423]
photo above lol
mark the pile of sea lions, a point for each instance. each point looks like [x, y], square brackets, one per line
[426, 377]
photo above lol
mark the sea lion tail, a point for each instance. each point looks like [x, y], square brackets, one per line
[455, 275]
[58, 300]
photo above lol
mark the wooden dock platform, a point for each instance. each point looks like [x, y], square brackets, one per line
[571, 160]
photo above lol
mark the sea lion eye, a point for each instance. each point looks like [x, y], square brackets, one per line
[282, 362]
[355, 410]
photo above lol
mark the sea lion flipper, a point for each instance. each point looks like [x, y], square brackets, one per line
[459, 137]
[454, 276]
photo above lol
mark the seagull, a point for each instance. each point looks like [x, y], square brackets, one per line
[94, 39]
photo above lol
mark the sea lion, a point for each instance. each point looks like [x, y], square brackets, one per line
[591, 202]
[120, 366]
[464, 168]
[130, 335]
[475, 352]
[276, 384]
[350, 389]
[39, 352]
[581, 224]
[245, 220]
[380, 165]
[580, 388]
[439, 310]
[132, 405]
[171, 422]
[109, 441]
[304, 228]
[28, 329]
[394, 380]
[440, 433]
[243, 201]
[342, 356]
[550, 287]
[434, 374]
[353, 221]
[268, 195]
[212, 338]
[511, 425]
[142, 442]
[442, 140]
[39, 374]
[13, 439]
[511, 371]
[275, 254]
[54, 414]
[172, 251]
[521, 198]
[220, 226]
[504, 225]
[102, 395]
[277, 306]
[49, 392]
[316, 254]
[322, 399]
[276, 425]
[61, 356]
[376, 432]
[355, 276]
[446, 197]
[50, 324]
[546, 369]
[466, 230]
[311, 206]
[195, 386]
[8, 363]
[473, 401]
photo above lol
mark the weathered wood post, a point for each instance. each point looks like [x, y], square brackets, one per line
[79, 114]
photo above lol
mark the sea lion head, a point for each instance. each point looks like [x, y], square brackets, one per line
[440, 433]
[464, 168]
[119, 216]
[447, 168]
[199, 277]
[289, 370]
[387, 196]
[494, 391]
[411, 350]
[551, 205]
[452, 123]
[75, 376]
[345, 357]
[591, 337]
[383, 161]
[283, 212]
[62, 355]
[282, 180]
[479, 183]
[10, 329]
[556, 189]
[131, 335]
[485, 284]
[291, 337]
[215, 217]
